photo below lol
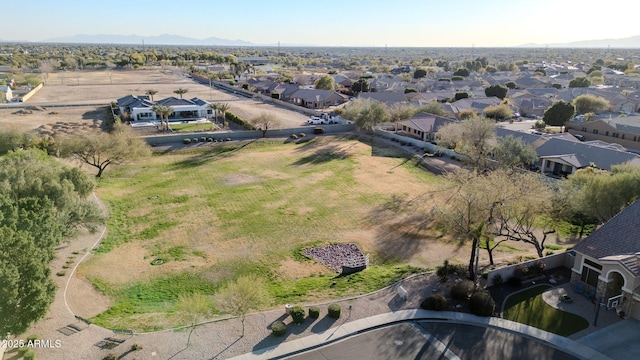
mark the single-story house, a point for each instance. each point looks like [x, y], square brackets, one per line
[561, 157]
[423, 126]
[140, 108]
[608, 262]
[317, 99]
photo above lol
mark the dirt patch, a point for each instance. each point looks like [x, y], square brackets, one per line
[291, 269]
[241, 179]
[84, 299]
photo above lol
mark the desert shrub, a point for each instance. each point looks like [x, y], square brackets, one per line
[22, 350]
[32, 337]
[497, 280]
[61, 273]
[195, 139]
[203, 139]
[334, 311]
[186, 141]
[110, 357]
[209, 139]
[136, 347]
[447, 270]
[314, 312]
[29, 355]
[227, 139]
[302, 135]
[297, 314]
[435, 302]
[278, 328]
[514, 281]
[462, 289]
[293, 136]
[481, 303]
[318, 130]
[521, 271]
[538, 267]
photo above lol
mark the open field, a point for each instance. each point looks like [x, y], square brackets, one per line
[248, 208]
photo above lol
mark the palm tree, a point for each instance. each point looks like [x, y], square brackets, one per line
[214, 107]
[164, 112]
[181, 91]
[151, 92]
[223, 108]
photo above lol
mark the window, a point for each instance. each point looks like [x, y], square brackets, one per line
[584, 129]
[589, 276]
[622, 137]
[606, 134]
[595, 131]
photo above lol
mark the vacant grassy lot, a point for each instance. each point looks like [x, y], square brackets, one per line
[238, 208]
[528, 307]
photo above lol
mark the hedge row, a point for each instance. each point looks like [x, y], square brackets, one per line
[240, 121]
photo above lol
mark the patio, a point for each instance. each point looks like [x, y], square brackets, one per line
[582, 306]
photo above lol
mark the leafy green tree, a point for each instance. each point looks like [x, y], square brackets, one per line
[464, 72]
[326, 82]
[580, 82]
[41, 203]
[119, 147]
[362, 85]
[242, 295]
[434, 108]
[590, 103]
[419, 73]
[467, 114]
[511, 85]
[559, 113]
[264, 122]
[512, 152]
[461, 95]
[181, 91]
[473, 138]
[12, 140]
[498, 112]
[399, 111]
[193, 309]
[498, 91]
[366, 113]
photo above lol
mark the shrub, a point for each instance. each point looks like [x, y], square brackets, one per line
[302, 135]
[29, 355]
[334, 311]
[497, 280]
[481, 303]
[61, 273]
[514, 281]
[462, 289]
[435, 302]
[22, 350]
[136, 347]
[521, 271]
[278, 328]
[318, 130]
[195, 139]
[443, 271]
[314, 312]
[203, 139]
[227, 139]
[297, 314]
[32, 337]
[186, 141]
[293, 136]
[110, 357]
[209, 139]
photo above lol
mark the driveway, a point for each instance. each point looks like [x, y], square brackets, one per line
[618, 341]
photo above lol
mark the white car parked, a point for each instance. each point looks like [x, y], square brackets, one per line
[315, 120]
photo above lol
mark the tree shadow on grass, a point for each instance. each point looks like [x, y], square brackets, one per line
[210, 154]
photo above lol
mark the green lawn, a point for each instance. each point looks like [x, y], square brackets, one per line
[189, 127]
[528, 307]
[242, 208]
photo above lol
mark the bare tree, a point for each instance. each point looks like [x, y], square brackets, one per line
[264, 122]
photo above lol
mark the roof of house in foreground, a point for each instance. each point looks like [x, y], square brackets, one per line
[617, 240]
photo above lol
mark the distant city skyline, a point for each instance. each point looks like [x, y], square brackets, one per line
[400, 23]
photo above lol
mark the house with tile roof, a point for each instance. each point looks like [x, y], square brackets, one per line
[608, 262]
[620, 130]
[422, 126]
[317, 99]
[140, 108]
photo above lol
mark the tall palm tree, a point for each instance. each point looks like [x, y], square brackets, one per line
[223, 110]
[151, 92]
[214, 107]
[164, 112]
[181, 91]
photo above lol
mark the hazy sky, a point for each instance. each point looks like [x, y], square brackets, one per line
[427, 23]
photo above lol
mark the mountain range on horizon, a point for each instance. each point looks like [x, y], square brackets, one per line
[177, 40]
